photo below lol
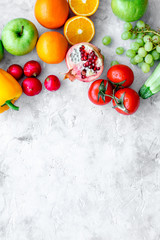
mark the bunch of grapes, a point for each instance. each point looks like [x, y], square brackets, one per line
[146, 49]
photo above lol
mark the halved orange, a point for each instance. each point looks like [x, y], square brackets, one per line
[79, 29]
[84, 7]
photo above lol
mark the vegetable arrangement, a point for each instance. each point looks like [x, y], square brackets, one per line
[84, 60]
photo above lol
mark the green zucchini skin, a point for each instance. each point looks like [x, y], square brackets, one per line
[145, 92]
[152, 85]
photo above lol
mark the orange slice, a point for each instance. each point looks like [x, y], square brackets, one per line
[84, 7]
[79, 29]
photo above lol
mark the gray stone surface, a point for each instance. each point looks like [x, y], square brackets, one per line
[72, 170]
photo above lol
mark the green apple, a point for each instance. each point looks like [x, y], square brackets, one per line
[19, 36]
[129, 10]
[1, 50]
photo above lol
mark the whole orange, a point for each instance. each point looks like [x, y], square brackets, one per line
[51, 13]
[52, 47]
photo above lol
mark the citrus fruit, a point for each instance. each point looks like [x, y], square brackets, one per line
[51, 13]
[52, 47]
[79, 29]
[84, 7]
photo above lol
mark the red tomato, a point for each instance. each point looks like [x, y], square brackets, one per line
[97, 91]
[128, 101]
[120, 74]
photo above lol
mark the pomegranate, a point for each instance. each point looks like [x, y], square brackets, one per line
[52, 83]
[31, 86]
[85, 62]
[16, 71]
[32, 69]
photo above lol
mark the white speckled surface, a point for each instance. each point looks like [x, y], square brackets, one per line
[72, 170]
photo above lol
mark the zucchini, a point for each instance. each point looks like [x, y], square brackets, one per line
[152, 85]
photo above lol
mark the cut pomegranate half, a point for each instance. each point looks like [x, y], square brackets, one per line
[85, 62]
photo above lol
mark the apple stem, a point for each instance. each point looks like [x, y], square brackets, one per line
[21, 31]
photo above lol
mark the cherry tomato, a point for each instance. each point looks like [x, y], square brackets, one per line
[126, 101]
[120, 75]
[97, 92]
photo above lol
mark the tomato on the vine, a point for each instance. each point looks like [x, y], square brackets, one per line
[100, 91]
[120, 75]
[126, 101]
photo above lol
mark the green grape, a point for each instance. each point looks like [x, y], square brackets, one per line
[126, 35]
[130, 53]
[151, 33]
[138, 59]
[148, 58]
[106, 40]
[140, 35]
[158, 48]
[147, 38]
[140, 64]
[140, 41]
[148, 46]
[142, 52]
[140, 24]
[120, 50]
[133, 61]
[156, 39]
[127, 26]
[145, 67]
[152, 64]
[155, 55]
[114, 62]
[135, 46]
[133, 36]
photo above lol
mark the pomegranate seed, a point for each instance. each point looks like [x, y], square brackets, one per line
[90, 67]
[93, 60]
[95, 57]
[83, 46]
[86, 54]
[83, 76]
[83, 72]
[82, 58]
[98, 68]
[85, 58]
[95, 69]
[93, 65]
[90, 63]
[87, 64]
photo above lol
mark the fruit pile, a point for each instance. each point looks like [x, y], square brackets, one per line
[84, 60]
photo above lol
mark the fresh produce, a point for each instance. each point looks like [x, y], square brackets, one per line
[10, 91]
[16, 71]
[85, 7]
[51, 13]
[119, 50]
[52, 47]
[99, 92]
[146, 48]
[1, 50]
[106, 40]
[79, 29]
[32, 69]
[129, 10]
[85, 62]
[114, 62]
[152, 85]
[19, 36]
[120, 75]
[52, 83]
[126, 101]
[31, 86]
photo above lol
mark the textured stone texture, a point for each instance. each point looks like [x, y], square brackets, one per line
[72, 170]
